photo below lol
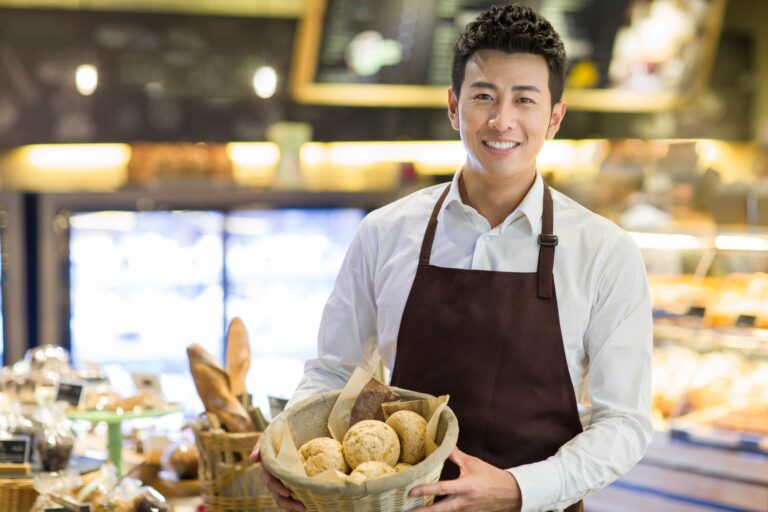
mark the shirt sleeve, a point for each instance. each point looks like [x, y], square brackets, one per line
[347, 336]
[618, 342]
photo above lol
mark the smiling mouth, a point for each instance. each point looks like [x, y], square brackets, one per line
[504, 146]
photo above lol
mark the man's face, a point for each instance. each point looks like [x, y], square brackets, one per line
[504, 113]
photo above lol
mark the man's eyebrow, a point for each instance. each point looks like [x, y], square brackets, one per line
[531, 88]
[483, 85]
[488, 85]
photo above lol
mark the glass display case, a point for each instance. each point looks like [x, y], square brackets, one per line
[143, 286]
[710, 297]
[136, 286]
[280, 269]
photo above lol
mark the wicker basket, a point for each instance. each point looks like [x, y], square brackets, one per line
[17, 495]
[229, 481]
[308, 419]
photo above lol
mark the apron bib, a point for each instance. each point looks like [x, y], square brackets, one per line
[492, 341]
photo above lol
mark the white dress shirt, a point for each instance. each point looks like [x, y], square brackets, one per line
[603, 302]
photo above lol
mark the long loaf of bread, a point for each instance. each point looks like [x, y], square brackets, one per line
[238, 355]
[214, 388]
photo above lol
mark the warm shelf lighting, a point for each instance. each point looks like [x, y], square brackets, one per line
[253, 163]
[77, 157]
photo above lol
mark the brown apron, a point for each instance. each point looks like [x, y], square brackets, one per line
[492, 341]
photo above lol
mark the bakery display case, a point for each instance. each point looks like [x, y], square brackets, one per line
[709, 292]
[711, 336]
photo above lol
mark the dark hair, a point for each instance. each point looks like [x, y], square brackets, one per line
[512, 28]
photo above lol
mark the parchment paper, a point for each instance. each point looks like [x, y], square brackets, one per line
[338, 424]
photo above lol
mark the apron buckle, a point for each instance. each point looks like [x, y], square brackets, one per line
[548, 240]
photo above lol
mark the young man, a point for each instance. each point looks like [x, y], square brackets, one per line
[518, 302]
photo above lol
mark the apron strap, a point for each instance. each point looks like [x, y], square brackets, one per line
[429, 234]
[547, 243]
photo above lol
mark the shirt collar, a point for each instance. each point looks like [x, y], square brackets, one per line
[530, 207]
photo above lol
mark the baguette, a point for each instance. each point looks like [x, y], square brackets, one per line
[214, 388]
[238, 355]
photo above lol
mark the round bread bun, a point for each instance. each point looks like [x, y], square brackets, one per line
[370, 470]
[411, 429]
[402, 466]
[371, 440]
[321, 454]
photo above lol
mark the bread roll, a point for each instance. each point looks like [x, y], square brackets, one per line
[402, 466]
[370, 470]
[371, 440]
[411, 429]
[321, 454]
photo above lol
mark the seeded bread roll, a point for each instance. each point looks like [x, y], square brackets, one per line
[411, 429]
[321, 454]
[371, 440]
[402, 466]
[370, 470]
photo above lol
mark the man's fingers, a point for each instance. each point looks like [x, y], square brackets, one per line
[459, 458]
[276, 486]
[448, 505]
[289, 504]
[256, 454]
[441, 488]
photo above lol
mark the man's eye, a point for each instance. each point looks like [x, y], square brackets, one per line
[525, 100]
[483, 96]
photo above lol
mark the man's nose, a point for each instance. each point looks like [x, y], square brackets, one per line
[502, 118]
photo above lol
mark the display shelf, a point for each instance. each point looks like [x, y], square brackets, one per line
[680, 477]
[749, 340]
[114, 421]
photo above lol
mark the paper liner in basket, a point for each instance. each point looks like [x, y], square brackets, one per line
[287, 453]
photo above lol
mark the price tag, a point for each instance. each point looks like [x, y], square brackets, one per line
[70, 392]
[697, 311]
[15, 450]
[746, 321]
[148, 382]
[68, 505]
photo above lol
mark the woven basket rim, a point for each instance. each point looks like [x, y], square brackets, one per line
[377, 486]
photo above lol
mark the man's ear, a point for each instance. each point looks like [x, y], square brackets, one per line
[558, 113]
[453, 108]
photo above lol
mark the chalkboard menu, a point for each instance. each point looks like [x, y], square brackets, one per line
[646, 53]
[160, 76]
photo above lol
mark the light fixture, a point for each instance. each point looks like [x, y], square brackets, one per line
[86, 79]
[665, 241]
[265, 82]
[741, 243]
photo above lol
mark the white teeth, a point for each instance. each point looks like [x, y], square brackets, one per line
[501, 145]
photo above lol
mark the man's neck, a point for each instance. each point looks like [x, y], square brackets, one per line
[494, 198]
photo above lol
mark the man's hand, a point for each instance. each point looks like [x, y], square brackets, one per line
[280, 492]
[480, 486]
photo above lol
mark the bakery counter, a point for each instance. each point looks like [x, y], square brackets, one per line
[680, 477]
